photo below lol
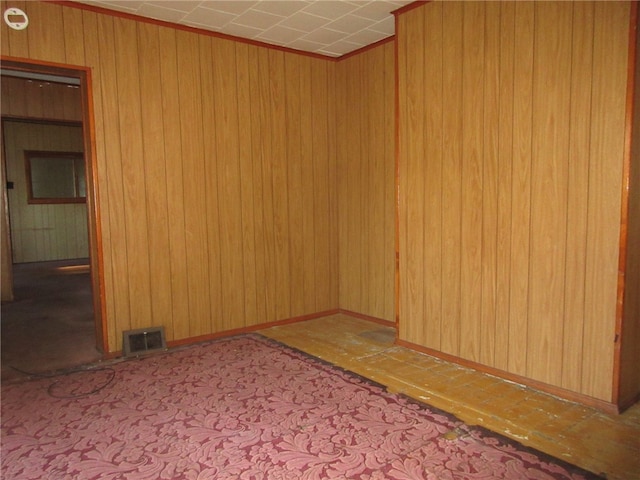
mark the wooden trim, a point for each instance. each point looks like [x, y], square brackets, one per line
[201, 31]
[95, 236]
[54, 68]
[369, 318]
[410, 6]
[28, 157]
[602, 405]
[41, 121]
[237, 331]
[6, 227]
[624, 213]
[364, 49]
[396, 184]
[95, 223]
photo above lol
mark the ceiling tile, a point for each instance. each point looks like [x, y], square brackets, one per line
[280, 35]
[211, 18]
[305, 45]
[253, 18]
[375, 10]
[386, 26]
[324, 36]
[180, 5]
[340, 48]
[349, 24]
[161, 13]
[284, 8]
[235, 7]
[330, 9]
[366, 37]
[304, 21]
[241, 31]
[326, 27]
[121, 6]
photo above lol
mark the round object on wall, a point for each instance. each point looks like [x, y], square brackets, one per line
[16, 18]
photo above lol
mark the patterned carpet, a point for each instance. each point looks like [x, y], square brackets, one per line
[243, 408]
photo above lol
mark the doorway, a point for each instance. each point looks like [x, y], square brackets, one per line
[53, 260]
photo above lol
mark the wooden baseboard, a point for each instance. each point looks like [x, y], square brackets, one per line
[559, 392]
[362, 316]
[236, 331]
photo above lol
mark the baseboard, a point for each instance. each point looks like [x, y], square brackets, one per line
[252, 328]
[559, 392]
[362, 316]
[235, 331]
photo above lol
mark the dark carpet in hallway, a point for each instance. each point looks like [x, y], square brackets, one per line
[50, 324]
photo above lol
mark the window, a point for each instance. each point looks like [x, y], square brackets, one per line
[55, 177]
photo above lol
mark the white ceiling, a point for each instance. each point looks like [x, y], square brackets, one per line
[326, 27]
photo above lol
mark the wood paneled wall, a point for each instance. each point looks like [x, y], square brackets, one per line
[366, 181]
[42, 232]
[629, 385]
[512, 124]
[216, 167]
[40, 99]
[21, 98]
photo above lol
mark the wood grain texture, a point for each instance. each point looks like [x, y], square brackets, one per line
[629, 387]
[525, 252]
[42, 232]
[212, 219]
[365, 162]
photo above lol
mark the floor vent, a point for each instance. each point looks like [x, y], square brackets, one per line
[143, 341]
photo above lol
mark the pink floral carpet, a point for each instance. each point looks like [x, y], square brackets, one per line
[243, 408]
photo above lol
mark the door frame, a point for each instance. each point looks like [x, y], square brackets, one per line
[83, 74]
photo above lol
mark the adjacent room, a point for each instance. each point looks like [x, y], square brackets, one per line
[441, 197]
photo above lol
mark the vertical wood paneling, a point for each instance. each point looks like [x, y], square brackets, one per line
[319, 130]
[390, 188]
[432, 181]
[550, 146]
[245, 173]
[630, 335]
[92, 59]
[364, 98]
[472, 83]
[530, 200]
[370, 175]
[278, 111]
[215, 169]
[74, 50]
[229, 189]
[45, 31]
[451, 179]
[211, 200]
[307, 178]
[131, 170]
[610, 40]
[332, 191]
[258, 155]
[413, 264]
[193, 166]
[117, 255]
[294, 182]
[42, 232]
[172, 142]
[521, 187]
[14, 42]
[157, 220]
[49, 100]
[350, 188]
[577, 191]
[268, 235]
[491, 116]
[504, 176]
